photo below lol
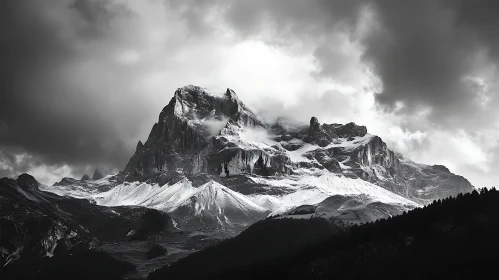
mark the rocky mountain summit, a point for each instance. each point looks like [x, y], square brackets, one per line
[210, 162]
[182, 139]
[202, 133]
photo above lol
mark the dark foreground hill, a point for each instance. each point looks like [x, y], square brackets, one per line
[456, 238]
[45, 236]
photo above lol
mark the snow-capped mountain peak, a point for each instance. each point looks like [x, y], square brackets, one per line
[210, 161]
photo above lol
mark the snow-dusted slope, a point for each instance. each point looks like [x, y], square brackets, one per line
[163, 198]
[211, 204]
[214, 205]
[81, 189]
[312, 190]
[213, 197]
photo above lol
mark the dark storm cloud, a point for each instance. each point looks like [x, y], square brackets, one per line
[282, 17]
[424, 52]
[51, 106]
[11, 165]
[417, 54]
[7, 164]
[65, 98]
[98, 12]
[294, 17]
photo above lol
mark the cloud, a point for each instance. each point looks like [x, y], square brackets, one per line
[70, 81]
[215, 125]
[423, 51]
[82, 81]
[457, 150]
[14, 165]
[430, 64]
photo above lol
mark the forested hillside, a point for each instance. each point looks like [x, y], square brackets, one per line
[453, 238]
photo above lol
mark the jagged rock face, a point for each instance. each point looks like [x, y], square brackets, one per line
[30, 225]
[431, 182]
[180, 138]
[345, 131]
[314, 125]
[27, 181]
[201, 133]
[375, 163]
[100, 173]
[36, 225]
[66, 181]
[85, 178]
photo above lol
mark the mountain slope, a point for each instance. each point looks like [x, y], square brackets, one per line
[43, 231]
[143, 194]
[214, 205]
[276, 195]
[210, 205]
[449, 239]
[31, 226]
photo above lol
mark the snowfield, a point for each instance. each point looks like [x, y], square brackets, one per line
[220, 202]
[164, 198]
[312, 190]
[214, 197]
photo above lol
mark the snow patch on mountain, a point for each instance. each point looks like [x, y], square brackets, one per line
[211, 197]
[81, 190]
[215, 200]
[214, 197]
[352, 143]
[214, 205]
[164, 198]
[313, 189]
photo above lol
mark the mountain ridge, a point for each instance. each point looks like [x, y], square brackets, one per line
[204, 138]
[230, 152]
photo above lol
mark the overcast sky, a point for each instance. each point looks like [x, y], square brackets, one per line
[81, 82]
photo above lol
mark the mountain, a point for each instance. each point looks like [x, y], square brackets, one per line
[204, 137]
[199, 132]
[209, 155]
[192, 207]
[48, 232]
[31, 225]
[99, 173]
[182, 140]
[214, 203]
[37, 223]
[210, 169]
